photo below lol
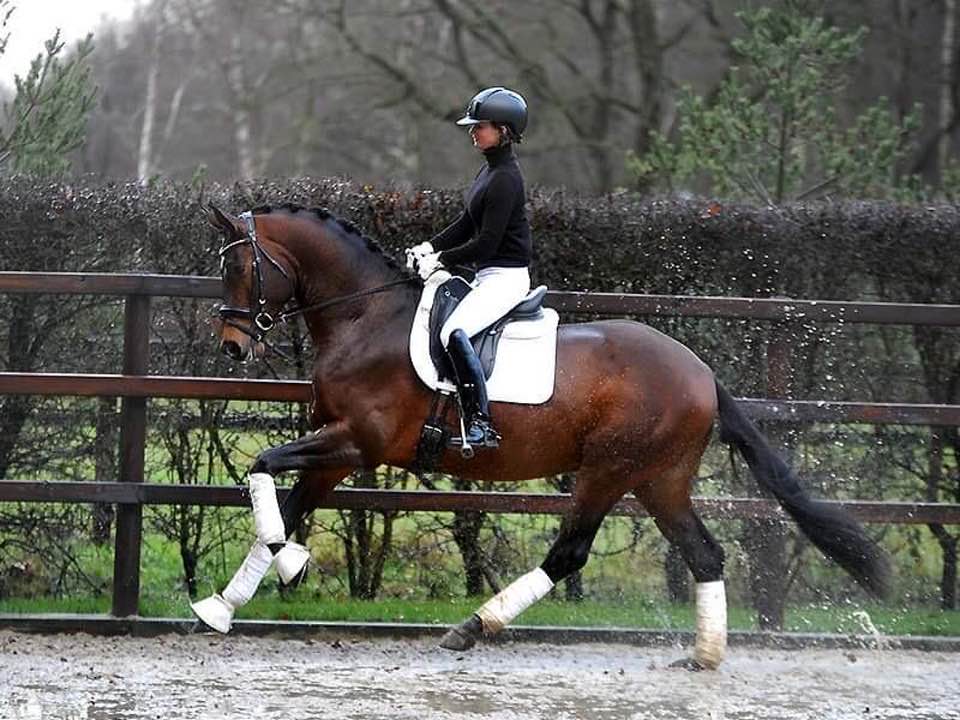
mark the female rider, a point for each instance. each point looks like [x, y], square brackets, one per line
[492, 234]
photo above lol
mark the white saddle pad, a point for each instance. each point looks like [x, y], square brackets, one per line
[526, 356]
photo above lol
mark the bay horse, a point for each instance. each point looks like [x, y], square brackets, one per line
[632, 412]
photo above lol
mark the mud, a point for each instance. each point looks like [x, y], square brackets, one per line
[82, 677]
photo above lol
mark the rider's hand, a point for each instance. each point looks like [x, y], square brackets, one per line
[428, 264]
[424, 248]
[416, 252]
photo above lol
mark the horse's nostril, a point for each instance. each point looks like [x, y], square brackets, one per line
[231, 349]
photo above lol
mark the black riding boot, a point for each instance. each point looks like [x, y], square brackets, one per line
[473, 393]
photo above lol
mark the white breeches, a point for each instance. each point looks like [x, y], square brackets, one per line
[495, 291]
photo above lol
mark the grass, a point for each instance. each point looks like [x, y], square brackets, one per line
[639, 614]
[624, 581]
[625, 589]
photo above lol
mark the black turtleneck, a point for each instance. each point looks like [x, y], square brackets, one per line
[493, 230]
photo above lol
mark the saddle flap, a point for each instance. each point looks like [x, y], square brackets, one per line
[445, 300]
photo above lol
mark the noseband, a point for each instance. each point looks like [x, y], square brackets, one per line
[260, 322]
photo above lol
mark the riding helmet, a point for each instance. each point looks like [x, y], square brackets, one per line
[499, 106]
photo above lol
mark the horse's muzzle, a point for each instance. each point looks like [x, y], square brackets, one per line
[234, 350]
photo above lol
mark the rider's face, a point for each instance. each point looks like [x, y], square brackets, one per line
[485, 135]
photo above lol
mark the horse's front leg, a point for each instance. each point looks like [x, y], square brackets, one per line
[330, 446]
[217, 610]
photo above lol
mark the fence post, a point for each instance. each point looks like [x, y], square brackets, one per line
[767, 539]
[133, 434]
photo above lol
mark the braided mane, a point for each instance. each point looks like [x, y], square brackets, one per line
[323, 215]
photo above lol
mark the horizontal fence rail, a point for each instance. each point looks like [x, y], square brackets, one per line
[873, 511]
[199, 388]
[135, 387]
[153, 386]
[874, 313]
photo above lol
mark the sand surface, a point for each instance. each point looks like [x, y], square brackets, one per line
[82, 677]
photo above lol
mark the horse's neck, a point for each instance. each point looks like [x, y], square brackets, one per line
[382, 319]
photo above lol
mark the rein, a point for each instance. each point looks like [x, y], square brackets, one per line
[286, 314]
[259, 318]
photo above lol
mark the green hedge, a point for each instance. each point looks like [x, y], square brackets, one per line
[850, 250]
[844, 251]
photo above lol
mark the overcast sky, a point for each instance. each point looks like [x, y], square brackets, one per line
[35, 21]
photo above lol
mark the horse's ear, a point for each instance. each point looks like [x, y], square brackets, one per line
[224, 222]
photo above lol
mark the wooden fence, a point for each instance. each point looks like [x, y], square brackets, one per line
[135, 387]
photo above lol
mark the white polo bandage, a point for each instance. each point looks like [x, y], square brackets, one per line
[244, 583]
[711, 643]
[266, 509]
[523, 592]
[217, 610]
[291, 559]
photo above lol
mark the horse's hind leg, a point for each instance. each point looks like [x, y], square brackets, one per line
[667, 499]
[569, 553]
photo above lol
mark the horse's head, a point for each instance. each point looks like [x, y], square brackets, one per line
[256, 284]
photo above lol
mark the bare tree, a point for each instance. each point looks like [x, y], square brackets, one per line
[145, 153]
[220, 26]
[369, 88]
[948, 84]
[594, 69]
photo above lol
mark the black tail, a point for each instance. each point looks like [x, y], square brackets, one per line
[837, 534]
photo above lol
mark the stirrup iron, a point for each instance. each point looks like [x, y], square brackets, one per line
[466, 450]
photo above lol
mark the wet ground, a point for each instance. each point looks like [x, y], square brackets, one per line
[82, 677]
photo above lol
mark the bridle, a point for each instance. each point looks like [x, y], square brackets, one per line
[259, 320]
[257, 316]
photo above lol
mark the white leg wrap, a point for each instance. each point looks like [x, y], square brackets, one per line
[711, 641]
[251, 572]
[291, 558]
[266, 509]
[217, 610]
[523, 592]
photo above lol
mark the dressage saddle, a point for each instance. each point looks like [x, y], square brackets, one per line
[446, 299]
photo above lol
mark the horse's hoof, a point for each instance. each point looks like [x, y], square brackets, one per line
[463, 636]
[688, 664]
[297, 581]
[291, 562]
[214, 612]
[457, 641]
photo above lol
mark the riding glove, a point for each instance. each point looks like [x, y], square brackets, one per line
[416, 252]
[428, 264]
